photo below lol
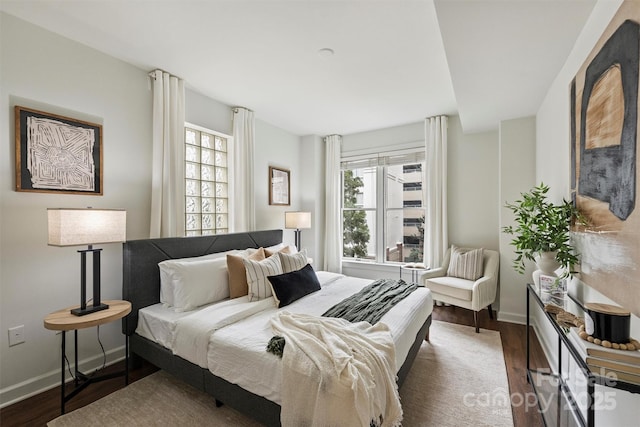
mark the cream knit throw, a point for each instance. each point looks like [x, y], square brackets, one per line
[337, 373]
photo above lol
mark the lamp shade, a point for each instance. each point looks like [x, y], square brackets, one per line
[297, 220]
[75, 227]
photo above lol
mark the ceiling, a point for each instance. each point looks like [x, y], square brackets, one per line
[394, 62]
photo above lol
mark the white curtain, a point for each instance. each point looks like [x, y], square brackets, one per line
[243, 217]
[167, 182]
[333, 220]
[436, 238]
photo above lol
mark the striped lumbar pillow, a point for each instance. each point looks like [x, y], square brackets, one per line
[466, 263]
[257, 272]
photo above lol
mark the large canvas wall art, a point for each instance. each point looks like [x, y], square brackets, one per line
[605, 162]
[57, 154]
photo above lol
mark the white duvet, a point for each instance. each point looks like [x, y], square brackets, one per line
[229, 338]
[237, 352]
[192, 334]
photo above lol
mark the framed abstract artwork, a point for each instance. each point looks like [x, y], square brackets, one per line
[279, 186]
[57, 154]
[605, 165]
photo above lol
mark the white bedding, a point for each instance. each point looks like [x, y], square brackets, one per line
[158, 322]
[237, 351]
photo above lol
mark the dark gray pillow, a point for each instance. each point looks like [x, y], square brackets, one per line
[290, 287]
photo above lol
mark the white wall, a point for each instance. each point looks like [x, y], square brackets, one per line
[405, 136]
[206, 112]
[517, 175]
[42, 70]
[312, 195]
[279, 148]
[473, 179]
[51, 73]
[553, 167]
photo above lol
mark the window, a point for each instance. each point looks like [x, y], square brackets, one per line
[206, 182]
[383, 207]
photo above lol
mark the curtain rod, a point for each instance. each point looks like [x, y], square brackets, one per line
[235, 109]
[152, 74]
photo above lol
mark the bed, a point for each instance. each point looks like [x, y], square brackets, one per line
[143, 326]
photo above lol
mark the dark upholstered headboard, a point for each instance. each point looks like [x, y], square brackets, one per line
[140, 272]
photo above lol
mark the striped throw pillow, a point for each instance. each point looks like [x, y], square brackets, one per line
[466, 263]
[293, 262]
[257, 271]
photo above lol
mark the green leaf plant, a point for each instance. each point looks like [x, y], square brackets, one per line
[542, 226]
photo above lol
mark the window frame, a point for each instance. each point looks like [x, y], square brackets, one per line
[378, 161]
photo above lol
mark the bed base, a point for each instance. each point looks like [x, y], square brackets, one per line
[250, 404]
[141, 286]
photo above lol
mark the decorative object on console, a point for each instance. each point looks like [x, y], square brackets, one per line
[57, 154]
[541, 233]
[563, 317]
[77, 227]
[297, 221]
[613, 351]
[553, 289]
[279, 186]
[607, 322]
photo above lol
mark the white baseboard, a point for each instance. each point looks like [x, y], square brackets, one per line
[518, 318]
[49, 380]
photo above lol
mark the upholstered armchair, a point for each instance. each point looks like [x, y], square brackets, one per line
[475, 292]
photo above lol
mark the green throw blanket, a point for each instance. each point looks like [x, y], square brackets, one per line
[368, 305]
[372, 302]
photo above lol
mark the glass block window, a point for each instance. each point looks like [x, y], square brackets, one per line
[206, 182]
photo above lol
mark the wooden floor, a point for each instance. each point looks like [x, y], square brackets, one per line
[42, 408]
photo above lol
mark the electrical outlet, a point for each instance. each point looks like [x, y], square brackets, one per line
[16, 335]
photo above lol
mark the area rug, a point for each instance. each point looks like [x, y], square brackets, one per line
[458, 379]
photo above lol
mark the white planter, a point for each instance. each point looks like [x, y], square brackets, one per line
[547, 265]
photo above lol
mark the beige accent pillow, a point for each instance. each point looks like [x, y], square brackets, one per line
[257, 272]
[285, 250]
[466, 263]
[238, 286]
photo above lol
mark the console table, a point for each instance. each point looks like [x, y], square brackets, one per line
[63, 320]
[553, 385]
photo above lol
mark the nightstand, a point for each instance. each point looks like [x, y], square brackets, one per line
[63, 320]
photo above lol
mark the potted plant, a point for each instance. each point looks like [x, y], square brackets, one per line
[541, 232]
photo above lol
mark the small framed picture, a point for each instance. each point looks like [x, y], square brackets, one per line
[279, 186]
[57, 154]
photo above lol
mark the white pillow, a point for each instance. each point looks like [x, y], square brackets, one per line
[166, 268]
[195, 283]
[257, 272]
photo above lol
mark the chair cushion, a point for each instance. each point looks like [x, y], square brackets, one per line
[466, 263]
[451, 286]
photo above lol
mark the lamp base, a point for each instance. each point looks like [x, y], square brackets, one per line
[89, 309]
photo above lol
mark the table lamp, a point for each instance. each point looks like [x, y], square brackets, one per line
[87, 226]
[297, 220]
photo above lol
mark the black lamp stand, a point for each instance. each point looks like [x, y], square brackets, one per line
[297, 238]
[97, 305]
